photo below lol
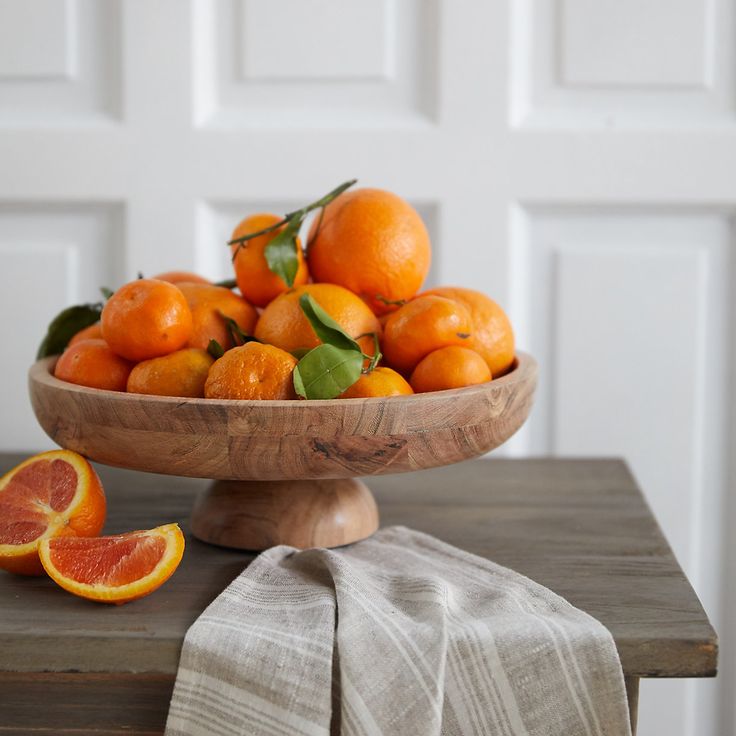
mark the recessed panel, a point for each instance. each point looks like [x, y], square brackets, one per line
[327, 65]
[35, 39]
[316, 39]
[59, 62]
[633, 42]
[52, 256]
[622, 63]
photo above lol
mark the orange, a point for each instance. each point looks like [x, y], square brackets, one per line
[177, 277]
[181, 373]
[371, 242]
[114, 569]
[450, 367]
[493, 336]
[92, 363]
[93, 332]
[379, 382]
[145, 319]
[257, 283]
[52, 494]
[208, 303]
[252, 371]
[421, 326]
[283, 324]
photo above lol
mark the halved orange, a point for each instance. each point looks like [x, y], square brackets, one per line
[53, 494]
[114, 569]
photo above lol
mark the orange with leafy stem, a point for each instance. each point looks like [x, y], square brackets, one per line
[181, 373]
[372, 242]
[493, 336]
[145, 319]
[449, 367]
[92, 363]
[115, 569]
[210, 305]
[421, 326]
[257, 283]
[252, 371]
[380, 381]
[52, 494]
[282, 322]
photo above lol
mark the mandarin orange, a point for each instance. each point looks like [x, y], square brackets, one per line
[449, 367]
[493, 336]
[252, 371]
[421, 326]
[145, 319]
[380, 381]
[372, 242]
[256, 281]
[92, 363]
[93, 332]
[181, 373]
[208, 305]
[283, 324]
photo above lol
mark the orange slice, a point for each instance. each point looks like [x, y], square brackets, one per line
[52, 494]
[114, 569]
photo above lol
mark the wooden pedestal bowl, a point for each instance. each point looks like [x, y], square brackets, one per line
[285, 471]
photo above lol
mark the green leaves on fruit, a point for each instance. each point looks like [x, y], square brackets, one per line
[65, 325]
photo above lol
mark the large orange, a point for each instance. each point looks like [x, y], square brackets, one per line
[145, 319]
[256, 281]
[52, 494]
[421, 326]
[92, 363]
[449, 367]
[493, 336]
[181, 373]
[208, 305]
[114, 569]
[252, 371]
[284, 325]
[372, 242]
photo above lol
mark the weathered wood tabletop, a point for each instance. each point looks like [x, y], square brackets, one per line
[579, 527]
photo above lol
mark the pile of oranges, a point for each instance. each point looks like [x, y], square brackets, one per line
[367, 256]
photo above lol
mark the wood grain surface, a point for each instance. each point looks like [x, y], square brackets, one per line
[579, 527]
[257, 514]
[282, 440]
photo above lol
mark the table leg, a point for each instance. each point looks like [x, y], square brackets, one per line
[632, 695]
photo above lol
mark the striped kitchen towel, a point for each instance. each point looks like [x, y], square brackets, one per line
[398, 634]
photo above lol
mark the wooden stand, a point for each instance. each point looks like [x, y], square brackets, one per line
[256, 515]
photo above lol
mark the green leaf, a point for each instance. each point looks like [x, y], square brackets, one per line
[106, 293]
[236, 333]
[65, 325]
[326, 371]
[327, 330]
[215, 349]
[281, 253]
[226, 284]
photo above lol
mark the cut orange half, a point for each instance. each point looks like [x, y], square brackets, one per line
[114, 569]
[52, 494]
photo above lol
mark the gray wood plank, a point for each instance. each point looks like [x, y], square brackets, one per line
[579, 527]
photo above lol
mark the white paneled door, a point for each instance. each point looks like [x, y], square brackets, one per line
[574, 159]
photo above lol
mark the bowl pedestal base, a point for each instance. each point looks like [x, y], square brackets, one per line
[256, 515]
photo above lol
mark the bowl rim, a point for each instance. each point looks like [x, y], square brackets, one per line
[40, 372]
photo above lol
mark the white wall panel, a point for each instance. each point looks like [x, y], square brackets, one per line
[328, 65]
[52, 256]
[59, 62]
[628, 63]
[627, 311]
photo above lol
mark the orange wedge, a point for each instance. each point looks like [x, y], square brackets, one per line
[52, 494]
[114, 569]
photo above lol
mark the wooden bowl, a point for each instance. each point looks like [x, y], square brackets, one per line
[280, 445]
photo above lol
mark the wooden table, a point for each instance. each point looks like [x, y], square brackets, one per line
[579, 527]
